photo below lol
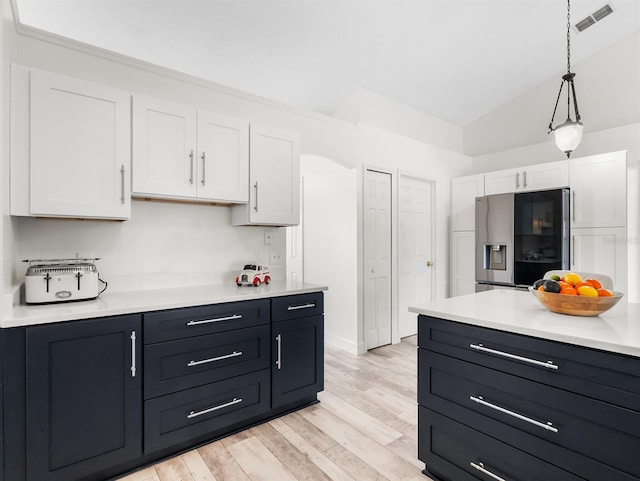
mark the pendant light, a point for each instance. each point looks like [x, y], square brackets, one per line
[569, 134]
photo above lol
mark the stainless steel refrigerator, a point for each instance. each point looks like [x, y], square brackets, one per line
[520, 236]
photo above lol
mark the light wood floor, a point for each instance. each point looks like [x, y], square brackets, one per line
[363, 429]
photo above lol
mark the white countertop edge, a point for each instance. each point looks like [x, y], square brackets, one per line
[622, 315]
[133, 302]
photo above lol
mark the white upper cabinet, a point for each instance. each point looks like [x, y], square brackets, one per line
[544, 176]
[70, 144]
[464, 191]
[274, 179]
[180, 152]
[599, 190]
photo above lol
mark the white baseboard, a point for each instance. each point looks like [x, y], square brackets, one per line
[341, 343]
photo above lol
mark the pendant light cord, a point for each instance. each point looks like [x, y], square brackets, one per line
[568, 36]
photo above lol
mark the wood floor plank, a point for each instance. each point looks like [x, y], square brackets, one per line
[174, 469]
[258, 462]
[295, 461]
[332, 470]
[221, 463]
[197, 467]
[368, 425]
[377, 456]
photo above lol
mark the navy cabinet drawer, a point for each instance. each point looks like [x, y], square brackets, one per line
[176, 365]
[195, 321]
[480, 397]
[205, 412]
[607, 376]
[294, 307]
[453, 451]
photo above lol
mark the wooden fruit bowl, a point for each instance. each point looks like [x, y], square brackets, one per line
[576, 305]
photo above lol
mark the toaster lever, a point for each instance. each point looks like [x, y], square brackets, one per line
[47, 278]
[78, 276]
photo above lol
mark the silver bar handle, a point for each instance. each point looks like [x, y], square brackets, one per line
[303, 306]
[279, 343]
[217, 319]
[535, 362]
[517, 180]
[524, 176]
[548, 426]
[256, 187]
[573, 251]
[480, 467]
[122, 183]
[191, 167]
[195, 414]
[204, 161]
[133, 353]
[214, 359]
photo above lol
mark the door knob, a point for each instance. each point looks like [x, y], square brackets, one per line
[429, 264]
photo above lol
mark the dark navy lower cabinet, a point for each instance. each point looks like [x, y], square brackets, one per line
[502, 406]
[93, 399]
[84, 397]
[297, 349]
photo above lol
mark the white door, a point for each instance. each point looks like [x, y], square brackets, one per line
[377, 259]
[80, 148]
[164, 148]
[415, 249]
[223, 158]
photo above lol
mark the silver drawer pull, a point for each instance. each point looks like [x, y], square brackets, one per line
[214, 359]
[208, 321]
[279, 359]
[480, 467]
[547, 426]
[481, 348]
[303, 306]
[195, 414]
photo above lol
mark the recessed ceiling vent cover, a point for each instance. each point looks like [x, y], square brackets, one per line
[593, 18]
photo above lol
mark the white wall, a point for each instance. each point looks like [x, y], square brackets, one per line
[608, 97]
[330, 231]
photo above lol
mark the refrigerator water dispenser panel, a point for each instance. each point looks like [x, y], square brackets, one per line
[495, 257]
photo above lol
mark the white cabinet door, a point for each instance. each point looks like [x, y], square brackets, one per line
[463, 263]
[602, 251]
[464, 191]
[274, 178]
[79, 161]
[223, 158]
[549, 175]
[164, 148]
[599, 190]
[502, 181]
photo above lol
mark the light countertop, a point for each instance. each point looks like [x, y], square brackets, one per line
[617, 330]
[117, 303]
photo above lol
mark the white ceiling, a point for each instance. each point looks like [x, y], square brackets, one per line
[454, 59]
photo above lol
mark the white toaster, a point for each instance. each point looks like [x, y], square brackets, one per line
[58, 280]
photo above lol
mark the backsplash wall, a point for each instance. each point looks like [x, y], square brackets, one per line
[163, 245]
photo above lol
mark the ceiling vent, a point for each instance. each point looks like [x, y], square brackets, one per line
[593, 18]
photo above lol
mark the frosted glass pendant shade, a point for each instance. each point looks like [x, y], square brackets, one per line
[568, 136]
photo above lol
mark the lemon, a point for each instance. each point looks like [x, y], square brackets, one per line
[587, 291]
[571, 278]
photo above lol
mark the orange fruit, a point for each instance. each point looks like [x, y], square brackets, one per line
[571, 278]
[569, 291]
[604, 292]
[595, 283]
[564, 284]
[541, 288]
[584, 283]
[587, 291]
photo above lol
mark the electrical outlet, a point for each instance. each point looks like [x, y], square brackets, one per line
[275, 257]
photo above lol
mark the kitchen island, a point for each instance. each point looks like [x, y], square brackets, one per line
[508, 390]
